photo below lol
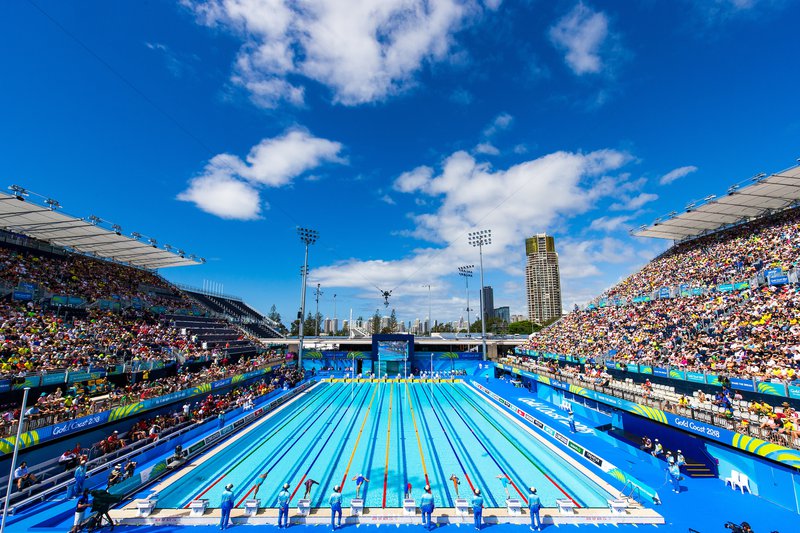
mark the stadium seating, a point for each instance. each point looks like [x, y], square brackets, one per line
[752, 331]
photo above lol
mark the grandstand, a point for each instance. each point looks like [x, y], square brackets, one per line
[720, 307]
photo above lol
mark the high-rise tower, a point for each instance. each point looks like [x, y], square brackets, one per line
[542, 279]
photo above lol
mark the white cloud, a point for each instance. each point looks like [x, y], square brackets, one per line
[387, 199]
[500, 122]
[486, 148]
[228, 186]
[224, 196]
[523, 199]
[635, 202]
[581, 34]
[610, 224]
[676, 174]
[363, 51]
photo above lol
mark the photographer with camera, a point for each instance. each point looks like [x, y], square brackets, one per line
[744, 527]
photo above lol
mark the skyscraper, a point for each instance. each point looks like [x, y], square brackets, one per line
[503, 313]
[488, 302]
[542, 279]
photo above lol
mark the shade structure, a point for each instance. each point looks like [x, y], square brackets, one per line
[743, 202]
[85, 236]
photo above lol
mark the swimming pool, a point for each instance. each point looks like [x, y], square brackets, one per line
[393, 433]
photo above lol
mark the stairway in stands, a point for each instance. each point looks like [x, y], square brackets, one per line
[244, 316]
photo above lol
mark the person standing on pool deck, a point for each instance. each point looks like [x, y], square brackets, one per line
[504, 480]
[477, 508]
[456, 482]
[571, 419]
[309, 483]
[408, 490]
[534, 504]
[226, 505]
[359, 479]
[335, 502]
[283, 506]
[675, 474]
[426, 506]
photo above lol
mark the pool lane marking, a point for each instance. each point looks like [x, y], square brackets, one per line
[275, 432]
[322, 448]
[207, 456]
[416, 431]
[288, 448]
[455, 453]
[534, 463]
[256, 448]
[388, 443]
[358, 438]
[513, 416]
[502, 470]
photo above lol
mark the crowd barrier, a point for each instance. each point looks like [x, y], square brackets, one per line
[781, 454]
[63, 429]
[701, 378]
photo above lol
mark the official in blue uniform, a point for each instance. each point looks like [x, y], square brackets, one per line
[477, 508]
[426, 506]
[80, 478]
[534, 504]
[335, 501]
[226, 504]
[675, 474]
[283, 506]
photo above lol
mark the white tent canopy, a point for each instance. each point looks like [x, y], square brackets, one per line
[85, 236]
[762, 195]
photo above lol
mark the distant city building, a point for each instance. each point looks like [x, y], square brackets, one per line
[542, 279]
[488, 302]
[503, 313]
[518, 318]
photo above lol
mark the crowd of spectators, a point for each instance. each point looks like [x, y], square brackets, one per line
[87, 278]
[51, 408]
[752, 333]
[779, 423]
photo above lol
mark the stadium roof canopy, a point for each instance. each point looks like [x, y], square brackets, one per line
[756, 197]
[87, 236]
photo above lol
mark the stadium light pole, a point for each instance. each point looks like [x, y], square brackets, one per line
[316, 315]
[430, 320]
[480, 239]
[14, 457]
[466, 272]
[307, 237]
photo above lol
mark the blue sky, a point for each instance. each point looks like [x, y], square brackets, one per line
[394, 127]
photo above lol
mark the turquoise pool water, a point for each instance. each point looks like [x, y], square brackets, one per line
[393, 434]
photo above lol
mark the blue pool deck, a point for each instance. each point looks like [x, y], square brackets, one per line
[703, 505]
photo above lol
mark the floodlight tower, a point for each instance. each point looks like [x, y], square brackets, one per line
[480, 239]
[466, 272]
[307, 237]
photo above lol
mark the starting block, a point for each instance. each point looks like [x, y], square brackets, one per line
[462, 506]
[251, 507]
[618, 506]
[514, 506]
[565, 506]
[356, 507]
[145, 507]
[198, 507]
[409, 507]
[304, 507]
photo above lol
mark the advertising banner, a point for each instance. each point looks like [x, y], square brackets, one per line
[743, 384]
[695, 377]
[794, 392]
[660, 372]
